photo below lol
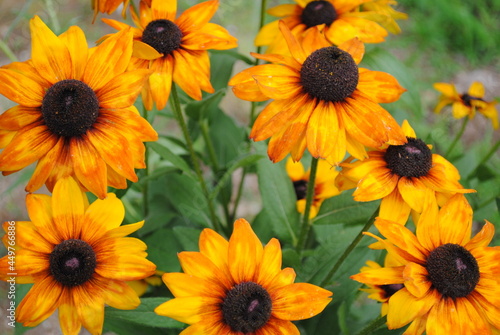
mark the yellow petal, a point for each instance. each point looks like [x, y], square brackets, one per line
[243, 241]
[40, 302]
[299, 301]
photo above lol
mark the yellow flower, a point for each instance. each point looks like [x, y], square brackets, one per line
[340, 21]
[108, 6]
[324, 186]
[141, 286]
[451, 281]
[238, 287]
[75, 114]
[466, 104]
[78, 258]
[322, 100]
[381, 292]
[175, 49]
[381, 11]
[402, 176]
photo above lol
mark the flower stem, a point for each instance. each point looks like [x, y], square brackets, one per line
[145, 187]
[7, 51]
[263, 7]
[374, 325]
[459, 135]
[490, 153]
[350, 248]
[306, 222]
[52, 11]
[176, 106]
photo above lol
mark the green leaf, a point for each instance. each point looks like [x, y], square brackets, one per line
[144, 315]
[278, 199]
[344, 209]
[187, 237]
[198, 110]
[170, 156]
[162, 250]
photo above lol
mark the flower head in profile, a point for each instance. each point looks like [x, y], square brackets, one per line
[238, 287]
[324, 185]
[466, 104]
[322, 100]
[339, 20]
[78, 258]
[175, 49]
[75, 114]
[381, 293]
[108, 6]
[451, 281]
[402, 176]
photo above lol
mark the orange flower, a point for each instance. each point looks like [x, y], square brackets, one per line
[238, 287]
[402, 176]
[108, 6]
[75, 114]
[340, 21]
[175, 49]
[322, 100]
[324, 186]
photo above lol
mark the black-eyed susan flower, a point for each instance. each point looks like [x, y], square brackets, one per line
[382, 293]
[402, 176]
[75, 114]
[324, 185]
[451, 281]
[466, 104]
[322, 100]
[175, 49]
[78, 258]
[238, 287]
[340, 21]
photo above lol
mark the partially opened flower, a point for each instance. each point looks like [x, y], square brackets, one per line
[402, 176]
[75, 114]
[324, 185]
[238, 287]
[451, 281]
[340, 20]
[466, 104]
[175, 49]
[383, 292]
[322, 100]
[78, 258]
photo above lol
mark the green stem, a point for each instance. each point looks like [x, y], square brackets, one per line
[306, 223]
[459, 135]
[374, 325]
[349, 249]
[176, 106]
[238, 196]
[49, 4]
[145, 187]
[490, 153]
[6, 50]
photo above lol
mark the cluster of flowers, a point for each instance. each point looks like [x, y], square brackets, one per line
[76, 118]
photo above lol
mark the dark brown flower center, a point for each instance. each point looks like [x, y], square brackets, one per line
[467, 99]
[413, 159]
[453, 271]
[72, 262]
[70, 108]
[329, 74]
[318, 12]
[300, 187]
[246, 307]
[163, 35]
[390, 289]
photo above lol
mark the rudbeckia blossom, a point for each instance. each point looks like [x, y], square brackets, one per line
[466, 104]
[75, 114]
[238, 287]
[324, 186]
[402, 176]
[381, 293]
[340, 20]
[451, 281]
[175, 49]
[78, 258]
[322, 100]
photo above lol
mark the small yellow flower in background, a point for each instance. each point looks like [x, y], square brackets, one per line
[322, 100]
[466, 104]
[340, 20]
[402, 176]
[75, 114]
[141, 286]
[451, 281]
[78, 258]
[381, 11]
[175, 49]
[324, 187]
[382, 292]
[238, 287]
[108, 6]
